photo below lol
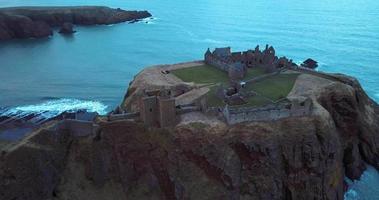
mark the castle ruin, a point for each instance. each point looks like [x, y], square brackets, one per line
[236, 63]
[161, 107]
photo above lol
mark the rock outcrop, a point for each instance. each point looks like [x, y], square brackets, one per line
[33, 168]
[19, 26]
[67, 28]
[293, 158]
[310, 63]
[37, 22]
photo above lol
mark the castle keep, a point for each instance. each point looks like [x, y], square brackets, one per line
[157, 109]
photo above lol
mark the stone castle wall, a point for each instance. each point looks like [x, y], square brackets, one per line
[158, 111]
[211, 60]
[149, 110]
[267, 113]
[167, 111]
[77, 128]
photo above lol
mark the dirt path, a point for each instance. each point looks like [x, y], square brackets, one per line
[307, 84]
[155, 76]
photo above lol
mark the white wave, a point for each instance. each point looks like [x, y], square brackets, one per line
[351, 195]
[364, 188]
[149, 20]
[53, 108]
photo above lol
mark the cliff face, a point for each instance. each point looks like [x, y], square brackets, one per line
[26, 22]
[293, 158]
[33, 168]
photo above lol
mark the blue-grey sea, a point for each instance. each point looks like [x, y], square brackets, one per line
[92, 69]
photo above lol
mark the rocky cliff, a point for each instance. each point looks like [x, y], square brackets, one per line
[293, 158]
[37, 22]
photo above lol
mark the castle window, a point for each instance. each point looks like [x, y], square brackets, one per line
[260, 61]
[302, 103]
[151, 110]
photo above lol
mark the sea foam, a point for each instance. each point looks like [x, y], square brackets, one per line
[52, 108]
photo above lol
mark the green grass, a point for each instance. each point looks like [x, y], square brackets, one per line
[274, 87]
[254, 72]
[256, 101]
[201, 74]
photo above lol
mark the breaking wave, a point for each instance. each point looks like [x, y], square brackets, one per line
[149, 20]
[41, 112]
[376, 96]
[366, 187]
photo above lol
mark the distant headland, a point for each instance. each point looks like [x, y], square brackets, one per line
[37, 22]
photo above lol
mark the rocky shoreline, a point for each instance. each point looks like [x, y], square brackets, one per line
[37, 22]
[204, 158]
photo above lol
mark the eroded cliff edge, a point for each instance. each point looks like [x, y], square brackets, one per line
[204, 158]
[37, 22]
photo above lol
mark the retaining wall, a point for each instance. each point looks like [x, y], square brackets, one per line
[114, 117]
[267, 113]
[78, 128]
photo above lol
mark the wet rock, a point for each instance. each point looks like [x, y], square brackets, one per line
[310, 63]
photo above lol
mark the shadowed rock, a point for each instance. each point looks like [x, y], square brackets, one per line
[310, 63]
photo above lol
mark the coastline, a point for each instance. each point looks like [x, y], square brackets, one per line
[37, 22]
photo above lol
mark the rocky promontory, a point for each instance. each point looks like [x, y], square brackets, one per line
[202, 157]
[37, 22]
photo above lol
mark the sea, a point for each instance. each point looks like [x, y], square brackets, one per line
[92, 69]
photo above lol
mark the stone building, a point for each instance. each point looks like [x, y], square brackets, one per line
[157, 109]
[290, 108]
[236, 63]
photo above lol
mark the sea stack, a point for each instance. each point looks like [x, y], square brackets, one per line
[67, 28]
[310, 63]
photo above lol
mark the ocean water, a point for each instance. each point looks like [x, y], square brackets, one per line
[96, 65]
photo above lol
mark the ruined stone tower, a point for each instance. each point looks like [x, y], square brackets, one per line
[157, 109]
[149, 110]
[167, 111]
